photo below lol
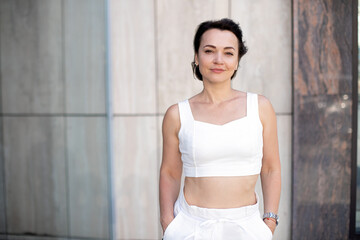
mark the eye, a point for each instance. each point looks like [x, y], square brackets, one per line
[208, 51]
[229, 54]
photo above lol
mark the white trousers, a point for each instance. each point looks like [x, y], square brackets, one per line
[196, 223]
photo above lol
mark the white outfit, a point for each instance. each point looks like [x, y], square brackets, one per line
[231, 149]
[196, 223]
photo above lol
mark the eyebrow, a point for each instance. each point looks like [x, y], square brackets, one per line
[212, 46]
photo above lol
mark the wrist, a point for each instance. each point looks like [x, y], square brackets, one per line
[270, 216]
[164, 221]
[271, 221]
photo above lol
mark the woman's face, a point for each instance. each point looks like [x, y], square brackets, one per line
[217, 55]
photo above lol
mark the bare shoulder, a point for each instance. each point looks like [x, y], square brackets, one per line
[172, 112]
[266, 110]
[264, 103]
[172, 118]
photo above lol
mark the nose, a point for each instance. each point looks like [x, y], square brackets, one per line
[218, 59]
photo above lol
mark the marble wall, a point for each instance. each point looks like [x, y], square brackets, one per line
[322, 119]
[53, 166]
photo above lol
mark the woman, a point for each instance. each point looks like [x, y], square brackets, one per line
[223, 139]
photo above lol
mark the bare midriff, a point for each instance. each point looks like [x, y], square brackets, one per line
[220, 192]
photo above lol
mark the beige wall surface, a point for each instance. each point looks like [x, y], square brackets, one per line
[54, 142]
[152, 52]
[53, 150]
[266, 69]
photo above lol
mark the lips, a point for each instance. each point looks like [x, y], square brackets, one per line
[217, 70]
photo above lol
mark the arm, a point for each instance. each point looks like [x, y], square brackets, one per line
[271, 169]
[171, 166]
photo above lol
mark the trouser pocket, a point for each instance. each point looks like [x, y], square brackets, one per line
[172, 229]
[266, 230]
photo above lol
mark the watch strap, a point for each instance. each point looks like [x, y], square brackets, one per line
[271, 215]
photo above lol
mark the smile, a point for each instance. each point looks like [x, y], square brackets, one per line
[217, 70]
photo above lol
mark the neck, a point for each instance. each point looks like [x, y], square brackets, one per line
[217, 93]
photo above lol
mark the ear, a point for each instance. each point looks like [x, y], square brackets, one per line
[196, 59]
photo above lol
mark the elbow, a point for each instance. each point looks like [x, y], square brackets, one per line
[271, 169]
[170, 174]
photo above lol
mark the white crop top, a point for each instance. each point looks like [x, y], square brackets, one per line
[232, 149]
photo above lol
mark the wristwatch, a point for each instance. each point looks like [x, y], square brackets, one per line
[271, 215]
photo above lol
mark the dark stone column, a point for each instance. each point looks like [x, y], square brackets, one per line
[322, 130]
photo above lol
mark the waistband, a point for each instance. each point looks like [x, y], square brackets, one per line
[215, 213]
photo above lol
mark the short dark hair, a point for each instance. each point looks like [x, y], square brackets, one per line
[223, 24]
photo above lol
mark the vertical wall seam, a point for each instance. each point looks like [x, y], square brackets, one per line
[3, 150]
[63, 70]
[109, 125]
[354, 125]
[156, 59]
[157, 136]
[292, 117]
[156, 64]
[229, 8]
